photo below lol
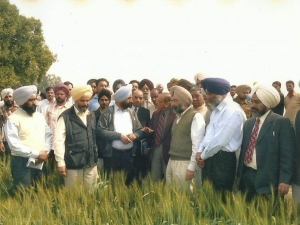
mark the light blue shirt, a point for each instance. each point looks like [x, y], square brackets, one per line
[225, 129]
[94, 104]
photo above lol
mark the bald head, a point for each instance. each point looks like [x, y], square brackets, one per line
[137, 98]
[163, 101]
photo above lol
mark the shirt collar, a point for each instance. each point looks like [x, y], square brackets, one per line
[118, 109]
[179, 116]
[223, 103]
[87, 112]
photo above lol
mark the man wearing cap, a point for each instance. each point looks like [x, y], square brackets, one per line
[8, 108]
[187, 133]
[119, 126]
[146, 86]
[54, 110]
[266, 159]
[242, 92]
[74, 142]
[28, 136]
[223, 136]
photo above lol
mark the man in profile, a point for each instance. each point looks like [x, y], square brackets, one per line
[279, 109]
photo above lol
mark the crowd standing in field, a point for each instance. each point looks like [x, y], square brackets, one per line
[210, 131]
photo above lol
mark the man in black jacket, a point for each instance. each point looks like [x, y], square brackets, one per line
[74, 142]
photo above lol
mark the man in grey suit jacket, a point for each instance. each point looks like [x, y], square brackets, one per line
[266, 161]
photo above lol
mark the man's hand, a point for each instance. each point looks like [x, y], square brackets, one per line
[283, 188]
[200, 162]
[125, 139]
[62, 171]
[132, 137]
[2, 148]
[43, 156]
[147, 130]
[189, 174]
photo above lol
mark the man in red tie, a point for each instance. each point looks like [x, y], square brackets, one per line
[266, 159]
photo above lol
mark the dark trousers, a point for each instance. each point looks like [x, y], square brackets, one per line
[120, 161]
[23, 175]
[220, 170]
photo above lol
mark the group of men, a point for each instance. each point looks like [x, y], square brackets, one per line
[192, 133]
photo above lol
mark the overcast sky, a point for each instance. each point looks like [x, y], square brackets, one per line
[240, 40]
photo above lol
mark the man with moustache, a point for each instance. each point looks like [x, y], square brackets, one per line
[120, 127]
[187, 133]
[101, 83]
[104, 98]
[242, 92]
[146, 86]
[43, 105]
[223, 136]
[54, 110]
[8, 108]
[199, 103]
[267, 151]
[74, 142]
[28, 136]
[291, 101]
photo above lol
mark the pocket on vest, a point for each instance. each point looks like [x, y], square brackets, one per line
[76, 159]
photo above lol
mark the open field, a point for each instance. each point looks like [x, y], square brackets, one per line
[111, 202]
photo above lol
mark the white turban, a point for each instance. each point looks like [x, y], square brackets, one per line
[268, 95]
[122, 93]
[6, 91]
[22, 94]
[79, 91]
[199, 76]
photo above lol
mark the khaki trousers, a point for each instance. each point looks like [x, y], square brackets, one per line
[86, 176]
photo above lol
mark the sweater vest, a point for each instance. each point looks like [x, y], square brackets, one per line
[181, 143]
[31, 129]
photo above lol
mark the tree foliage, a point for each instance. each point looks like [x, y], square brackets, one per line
[24, 56]
[48, 80]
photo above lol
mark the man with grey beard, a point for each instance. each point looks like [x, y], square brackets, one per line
[187, 133]
[217, 152]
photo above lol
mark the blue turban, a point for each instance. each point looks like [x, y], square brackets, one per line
[216, 86]
[123, 93]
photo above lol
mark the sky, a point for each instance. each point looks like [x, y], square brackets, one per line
[240, 40]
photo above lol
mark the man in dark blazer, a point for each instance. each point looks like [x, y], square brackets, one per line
[266, 159]
[160, 151]
[141, 162]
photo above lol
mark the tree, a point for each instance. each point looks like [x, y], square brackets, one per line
[48, 80]
[24, 56]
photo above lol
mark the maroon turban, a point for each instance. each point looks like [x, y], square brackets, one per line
[61, 87]
[147, 82]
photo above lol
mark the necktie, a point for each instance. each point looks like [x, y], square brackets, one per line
[252, 142]
[135, 109]
[159, 131]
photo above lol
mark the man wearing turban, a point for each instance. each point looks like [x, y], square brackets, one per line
[146, 86]
[266, 159]
[120, 127]
[187, 133]
[74, 141]
[242, 92]
[28, 136]
[54, 110]
[8, 108]
[223, 137]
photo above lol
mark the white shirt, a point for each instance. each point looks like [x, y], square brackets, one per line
[42, 106]
[123, 125]
[60, 137]
[197, 134]
[262, 120]
[225, 129]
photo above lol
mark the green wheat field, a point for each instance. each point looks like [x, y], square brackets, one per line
[111, 202]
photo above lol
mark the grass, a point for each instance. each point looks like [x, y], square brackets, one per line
[111, 202]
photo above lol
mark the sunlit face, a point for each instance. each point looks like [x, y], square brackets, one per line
[289, 87]
[198, 99]
[257, 107]
[60, 96]
[8, 100]
[50, 95]
[104, 102]
[82, 104]
[137, 98]
[101, 85]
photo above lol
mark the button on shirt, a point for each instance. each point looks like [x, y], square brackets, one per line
[123, 125]
[225, 130]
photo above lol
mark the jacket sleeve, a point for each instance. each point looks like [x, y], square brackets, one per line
[103, 128]
[137, 127]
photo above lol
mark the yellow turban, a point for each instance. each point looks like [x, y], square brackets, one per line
[79, 91]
